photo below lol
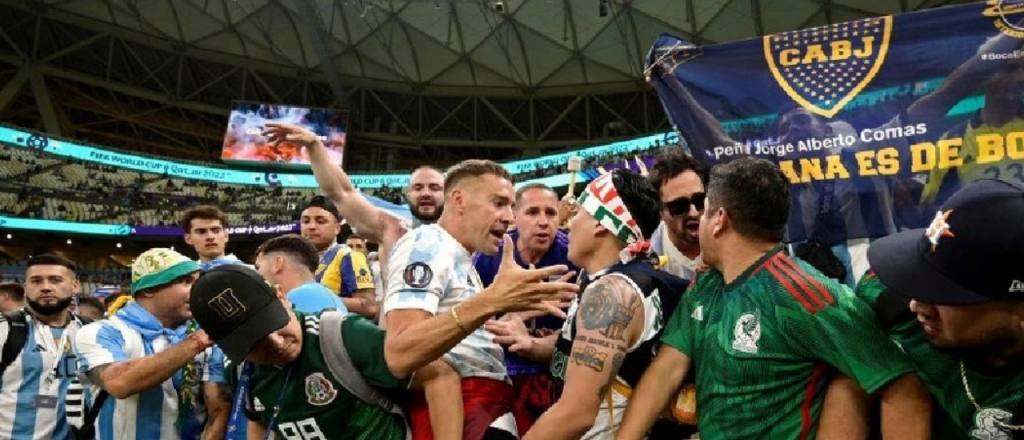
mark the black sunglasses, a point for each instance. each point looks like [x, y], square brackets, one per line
[681, 207]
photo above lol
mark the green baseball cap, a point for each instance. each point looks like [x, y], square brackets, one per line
[160, 266]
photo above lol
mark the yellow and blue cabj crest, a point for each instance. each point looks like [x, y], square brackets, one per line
[824, 68]
[1004, 11]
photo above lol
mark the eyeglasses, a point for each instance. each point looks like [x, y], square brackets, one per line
[681, 207]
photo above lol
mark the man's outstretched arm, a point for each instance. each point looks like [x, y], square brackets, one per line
[372, 222]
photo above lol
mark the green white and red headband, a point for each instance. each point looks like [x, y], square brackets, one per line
[601, 200]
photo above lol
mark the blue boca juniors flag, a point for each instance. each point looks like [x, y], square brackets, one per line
[874, 122]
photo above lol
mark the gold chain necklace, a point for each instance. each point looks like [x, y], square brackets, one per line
[970, 396]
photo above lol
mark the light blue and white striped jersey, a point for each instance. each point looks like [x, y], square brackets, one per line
[431, 271]
[25, 378]
[149, 415]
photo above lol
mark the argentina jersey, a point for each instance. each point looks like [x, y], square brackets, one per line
[151, 414]
[429, 270]
[31, 406]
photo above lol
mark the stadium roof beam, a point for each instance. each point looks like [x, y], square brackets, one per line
[11, 89]
[45, 104]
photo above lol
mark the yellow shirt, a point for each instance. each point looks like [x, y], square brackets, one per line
[344, 271]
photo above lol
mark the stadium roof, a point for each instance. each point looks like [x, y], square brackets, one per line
[194, 56]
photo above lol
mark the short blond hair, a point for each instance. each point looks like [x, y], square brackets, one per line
[473, 168]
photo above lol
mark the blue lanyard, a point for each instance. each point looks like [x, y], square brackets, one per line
[277, 406]
[241, 393]
[234, 422]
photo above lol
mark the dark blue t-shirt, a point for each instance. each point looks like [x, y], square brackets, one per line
[487, 267]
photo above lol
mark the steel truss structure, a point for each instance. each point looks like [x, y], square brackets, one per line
[436, 81]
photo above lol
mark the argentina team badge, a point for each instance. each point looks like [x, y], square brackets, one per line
[824, 68]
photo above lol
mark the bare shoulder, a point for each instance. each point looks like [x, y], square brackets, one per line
[608, 306]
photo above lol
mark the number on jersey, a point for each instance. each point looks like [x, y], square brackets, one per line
[305, 429]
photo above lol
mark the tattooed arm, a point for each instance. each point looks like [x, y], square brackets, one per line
[609, 320]
[217, 397]
[363, 302]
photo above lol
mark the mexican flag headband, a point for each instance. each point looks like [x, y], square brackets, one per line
[601, 200]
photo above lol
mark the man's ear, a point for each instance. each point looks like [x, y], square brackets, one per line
[457, 199]
[279, 263]
[720, 222]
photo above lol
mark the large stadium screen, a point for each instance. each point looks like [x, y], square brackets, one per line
[244, 143]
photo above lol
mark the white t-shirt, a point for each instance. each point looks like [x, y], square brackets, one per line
[429, 270]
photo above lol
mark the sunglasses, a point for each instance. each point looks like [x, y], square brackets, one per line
[681, 207]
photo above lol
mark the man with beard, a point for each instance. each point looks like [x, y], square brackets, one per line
[206, 231]
[344, 272]
[33, 387]
[963, 329]
[680, 183]
[537, 243]
[148, 357]
[425, 193]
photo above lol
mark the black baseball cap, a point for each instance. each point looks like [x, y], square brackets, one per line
[237, 308]
[323, 203]
[973, 251]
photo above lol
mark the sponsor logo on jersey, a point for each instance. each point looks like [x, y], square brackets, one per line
[319, 390]
[417, 275]
[698, 313]
[1016, 286]
[746, 333]
[989, 424]
[257, 405]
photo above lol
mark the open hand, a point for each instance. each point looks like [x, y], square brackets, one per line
[277, 132]
[510, 332]
[516, 289]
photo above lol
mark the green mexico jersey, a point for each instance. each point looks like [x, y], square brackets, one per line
[765, 346]
[953, 415]
[315, 406]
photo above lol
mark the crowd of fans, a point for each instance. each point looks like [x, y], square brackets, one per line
[38, 186]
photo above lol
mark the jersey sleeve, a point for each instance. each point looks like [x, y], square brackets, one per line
[847, 335]
[96, 345]
[417, 271]
[869, 289]
[355, 273]
[679, 332]
[213, 369]
[328, 273]
[364, 342]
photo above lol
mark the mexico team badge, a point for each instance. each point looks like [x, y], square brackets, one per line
[824, 68]
[746, 333]
[989, 424]
[319, 390]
